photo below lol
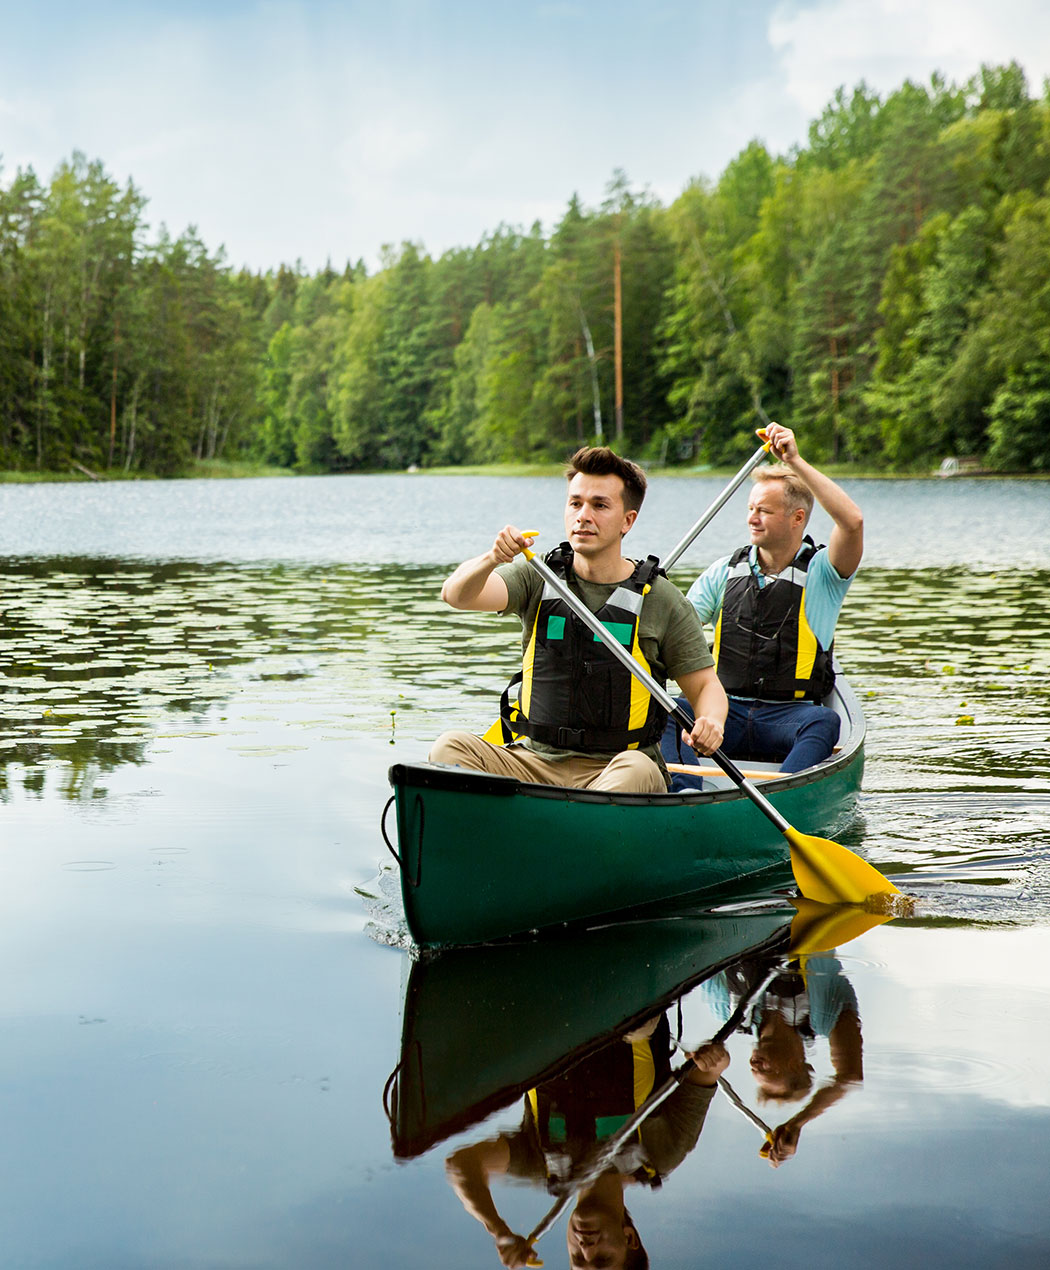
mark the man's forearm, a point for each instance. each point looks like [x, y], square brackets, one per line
[835, 501]
[463, 589]
[469, 1177]
[711, 701]
[475, 585]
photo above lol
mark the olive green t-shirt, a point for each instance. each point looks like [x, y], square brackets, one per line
[669, 633]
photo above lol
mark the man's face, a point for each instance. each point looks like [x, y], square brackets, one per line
[597, 1237]
[778, 1064]
[769, 523]
[595, 517]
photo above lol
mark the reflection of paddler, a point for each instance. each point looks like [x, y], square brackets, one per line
[810, 998]
[565, 1123]
[567, 1117]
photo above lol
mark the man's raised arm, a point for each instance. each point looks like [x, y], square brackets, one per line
[847, 538]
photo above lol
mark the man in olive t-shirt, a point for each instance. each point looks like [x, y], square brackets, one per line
[605, 493]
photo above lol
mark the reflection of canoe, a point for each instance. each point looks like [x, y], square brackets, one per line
[481, 1026]
[484, 857]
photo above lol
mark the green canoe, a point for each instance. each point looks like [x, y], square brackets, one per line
[486, 857]
[483, 1025]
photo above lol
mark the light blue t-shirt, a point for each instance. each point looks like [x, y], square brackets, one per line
[825, 591]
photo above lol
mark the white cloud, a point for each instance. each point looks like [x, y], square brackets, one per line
[826, 45]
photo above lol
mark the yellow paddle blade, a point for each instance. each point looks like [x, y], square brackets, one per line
[818, 928]
[831, 874]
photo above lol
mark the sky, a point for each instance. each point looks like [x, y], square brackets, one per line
[286, 130]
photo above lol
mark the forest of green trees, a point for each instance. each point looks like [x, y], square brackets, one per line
[885, 290]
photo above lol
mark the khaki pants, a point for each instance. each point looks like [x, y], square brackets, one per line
[629, 772]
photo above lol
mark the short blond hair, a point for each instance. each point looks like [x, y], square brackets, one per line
[797, 494]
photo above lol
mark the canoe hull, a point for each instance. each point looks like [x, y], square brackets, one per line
[486, 857]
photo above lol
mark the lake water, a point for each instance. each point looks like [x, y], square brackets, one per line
[203, 686]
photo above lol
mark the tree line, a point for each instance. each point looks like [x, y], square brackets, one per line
[882, 289]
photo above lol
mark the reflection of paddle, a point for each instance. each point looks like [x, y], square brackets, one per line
[659, 1096]
[822, 927]
[742, 1107]
[721, 500]
[823, 869]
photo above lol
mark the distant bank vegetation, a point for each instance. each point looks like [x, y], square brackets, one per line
[885, 290]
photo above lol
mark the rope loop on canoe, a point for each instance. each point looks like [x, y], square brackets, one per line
[390, 1088]
[382, 829]
[412, 881]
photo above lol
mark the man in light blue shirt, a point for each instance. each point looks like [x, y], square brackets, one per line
[774, 605]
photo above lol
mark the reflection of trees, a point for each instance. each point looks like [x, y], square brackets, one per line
[100, 654]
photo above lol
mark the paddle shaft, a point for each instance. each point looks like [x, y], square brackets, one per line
[742, 1106]
[719, 503]
[660, 693]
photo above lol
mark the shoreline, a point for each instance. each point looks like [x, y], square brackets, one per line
[222, 470]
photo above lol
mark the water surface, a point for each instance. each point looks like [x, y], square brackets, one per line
[203, 686]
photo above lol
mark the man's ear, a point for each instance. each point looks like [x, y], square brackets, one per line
[631, 1237]
[629, 518]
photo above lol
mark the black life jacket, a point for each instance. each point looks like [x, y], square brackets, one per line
[764, 646]
[572, 692]
[786, 995]
[572, 1114]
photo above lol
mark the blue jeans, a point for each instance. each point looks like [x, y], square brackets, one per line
[796, 734]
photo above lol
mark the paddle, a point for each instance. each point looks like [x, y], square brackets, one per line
[824, 870]
[721, 500]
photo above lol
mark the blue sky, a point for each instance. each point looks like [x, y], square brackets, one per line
[290, 130]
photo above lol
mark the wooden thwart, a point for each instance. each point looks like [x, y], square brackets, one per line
[688, 769]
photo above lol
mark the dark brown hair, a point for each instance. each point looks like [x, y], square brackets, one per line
[599, 460]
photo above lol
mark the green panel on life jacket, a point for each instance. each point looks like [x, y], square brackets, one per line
[604, 1127]
[623, 632]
